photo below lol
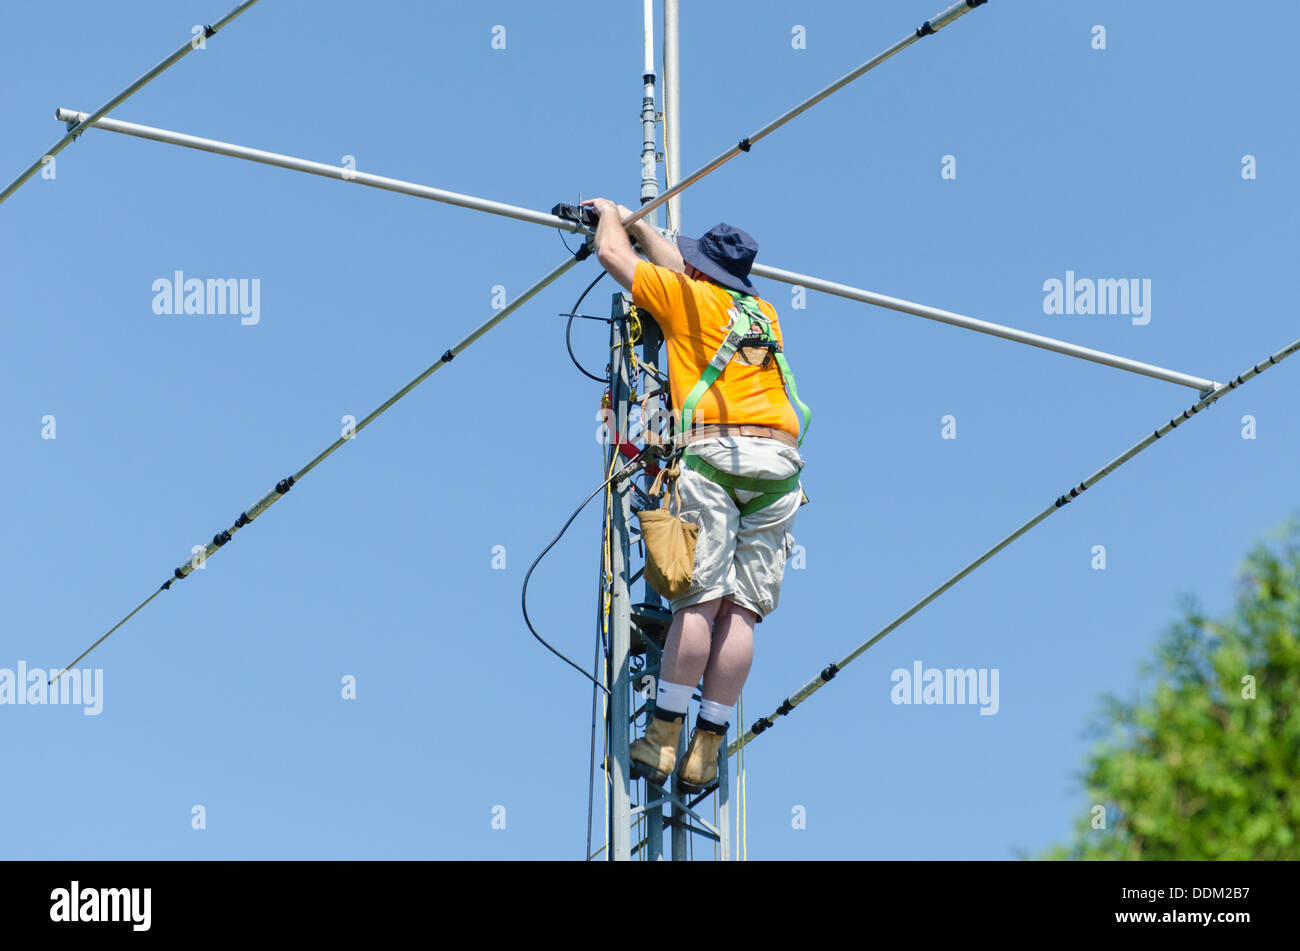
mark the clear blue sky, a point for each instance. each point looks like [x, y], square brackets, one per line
[225, 692]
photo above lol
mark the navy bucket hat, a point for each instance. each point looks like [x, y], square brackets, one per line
[724, 253]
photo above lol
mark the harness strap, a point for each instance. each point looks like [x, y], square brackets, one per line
[772, 489]
[804, 411]
[711, 373]
[745, 316]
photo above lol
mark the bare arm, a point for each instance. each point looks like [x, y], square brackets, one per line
[613, 247]
[656, 247]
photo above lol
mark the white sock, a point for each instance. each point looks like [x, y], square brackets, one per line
[673, 698]
[715, 712]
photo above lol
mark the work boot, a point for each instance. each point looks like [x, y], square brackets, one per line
[655, 754]
[700, 767]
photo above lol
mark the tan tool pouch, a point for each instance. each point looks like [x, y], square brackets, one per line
[669, 542]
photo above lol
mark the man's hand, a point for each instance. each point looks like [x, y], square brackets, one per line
[604, 206]
[616, 253]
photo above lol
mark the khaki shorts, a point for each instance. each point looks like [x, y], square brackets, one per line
[741, 558]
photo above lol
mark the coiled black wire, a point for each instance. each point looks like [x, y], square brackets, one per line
[524, 598]
[568, 336]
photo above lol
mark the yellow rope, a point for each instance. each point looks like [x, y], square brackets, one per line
[604, 759]
[634, 364]
[634, 325]
[742, 811]
[607, 557]
[741, 840]
[715, 825]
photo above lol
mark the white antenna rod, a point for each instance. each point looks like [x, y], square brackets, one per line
[672, 116]
[983, 326]
[551, 221]
[319, 168]
[649, 149]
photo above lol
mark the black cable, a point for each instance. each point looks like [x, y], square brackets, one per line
[568, 335]
[524, 599]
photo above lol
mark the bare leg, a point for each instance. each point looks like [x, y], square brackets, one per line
[686, 648]
[731, 653]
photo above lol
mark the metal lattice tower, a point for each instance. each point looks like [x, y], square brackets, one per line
[637, 629]
[639, 812]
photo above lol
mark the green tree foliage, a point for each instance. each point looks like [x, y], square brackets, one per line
[1206, 764]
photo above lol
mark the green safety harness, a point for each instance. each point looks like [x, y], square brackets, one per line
[749, 328]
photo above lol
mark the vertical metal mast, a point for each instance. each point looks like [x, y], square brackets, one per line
[618, 726]
[672, 172]
[637, 630]
[649, 150]
[620, 718]
[651, 340]
[672, 115]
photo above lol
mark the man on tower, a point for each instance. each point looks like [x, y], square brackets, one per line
[740, 476]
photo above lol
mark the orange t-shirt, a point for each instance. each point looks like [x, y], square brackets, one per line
[694, 318]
